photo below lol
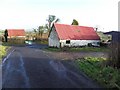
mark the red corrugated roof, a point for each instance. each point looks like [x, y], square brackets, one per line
[16, 32]
[74, 32]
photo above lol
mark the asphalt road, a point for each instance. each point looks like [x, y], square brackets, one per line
[31, 67]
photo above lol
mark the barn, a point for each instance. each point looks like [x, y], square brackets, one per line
[62, 35]
[16, 33]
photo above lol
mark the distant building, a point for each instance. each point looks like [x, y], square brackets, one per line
[115, 35]
[72, 36]
[16, 33]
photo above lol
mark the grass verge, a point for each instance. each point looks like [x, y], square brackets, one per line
[96, 69]
[53, 49]
[2, 51]
[84, 49]
[12, 44]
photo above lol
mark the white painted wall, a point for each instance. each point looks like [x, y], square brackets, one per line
[78, 42]
[53, 39]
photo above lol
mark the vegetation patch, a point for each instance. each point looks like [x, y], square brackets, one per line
[94, 49]
[84, 49]
[53, 49]
[2, 51]
[103, 37]
[96, 69]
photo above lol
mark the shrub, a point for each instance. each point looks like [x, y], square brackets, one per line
[2, 51]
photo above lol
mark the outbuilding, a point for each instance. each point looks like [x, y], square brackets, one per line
[16, 33]
[62, 35]
[115, 36]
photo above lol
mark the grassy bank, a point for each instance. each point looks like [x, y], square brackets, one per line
[85, 49]
[12, 44]
[2, 51]
[96, 69]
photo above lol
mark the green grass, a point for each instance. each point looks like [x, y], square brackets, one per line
[53, 49]
[96, 69]
[93, 49]
[11, 44]
[2, 51]
[85, 49]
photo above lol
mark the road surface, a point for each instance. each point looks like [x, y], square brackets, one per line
[31, 67]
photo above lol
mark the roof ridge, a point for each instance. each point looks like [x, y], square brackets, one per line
[72, 25]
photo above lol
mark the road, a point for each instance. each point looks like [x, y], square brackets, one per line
[31, 67]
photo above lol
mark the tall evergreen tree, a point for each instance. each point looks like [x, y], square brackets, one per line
[6, 35]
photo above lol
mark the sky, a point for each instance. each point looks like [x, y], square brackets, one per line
[28, 14]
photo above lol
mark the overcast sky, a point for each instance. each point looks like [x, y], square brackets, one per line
[29, 14]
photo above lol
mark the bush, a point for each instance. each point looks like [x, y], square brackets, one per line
[2, 51]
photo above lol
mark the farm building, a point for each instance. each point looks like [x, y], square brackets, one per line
[16, 33]
[72, 36]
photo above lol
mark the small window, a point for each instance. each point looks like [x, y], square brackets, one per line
[67, 41]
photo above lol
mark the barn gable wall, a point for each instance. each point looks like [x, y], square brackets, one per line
[53, 39]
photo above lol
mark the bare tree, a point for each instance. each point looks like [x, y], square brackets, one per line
[40, 30]
[51, 20]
